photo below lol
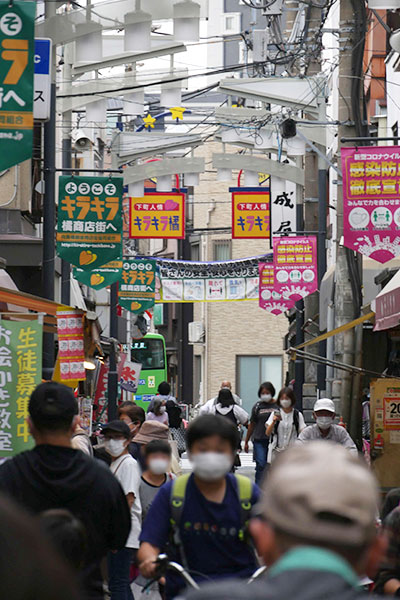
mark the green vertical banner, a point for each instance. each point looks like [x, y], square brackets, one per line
[101, 277]
[17, 26]
[89, 232]
[137, 287]
[20, 373]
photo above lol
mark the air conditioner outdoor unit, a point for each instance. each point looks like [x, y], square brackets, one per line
[196, 332]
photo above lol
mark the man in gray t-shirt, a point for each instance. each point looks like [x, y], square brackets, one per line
[325, 429]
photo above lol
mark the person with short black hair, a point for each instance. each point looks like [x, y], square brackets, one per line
[206, 511]
[67, 534]
[157, 472]
[54, 475]
[260, 414]
[285, 424]
[117, 436]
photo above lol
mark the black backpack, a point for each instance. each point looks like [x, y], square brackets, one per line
[295, 422]
[174, 414]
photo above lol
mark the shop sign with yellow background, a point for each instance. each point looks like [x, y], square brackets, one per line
[158, 215]
[251, 214]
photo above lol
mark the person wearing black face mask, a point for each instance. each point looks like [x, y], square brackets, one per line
[259, 416]
[207, 526]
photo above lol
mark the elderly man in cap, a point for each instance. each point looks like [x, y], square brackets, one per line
[325, 429]
[315, 529]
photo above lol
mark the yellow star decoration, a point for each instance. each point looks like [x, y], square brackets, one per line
[149, 122]
[177, 112]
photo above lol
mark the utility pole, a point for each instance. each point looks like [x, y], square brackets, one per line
[350, 12]
[112, 389]
[66, 163]
[314, 217]
[49, 209]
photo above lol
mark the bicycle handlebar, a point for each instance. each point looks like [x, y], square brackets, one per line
[164, 564]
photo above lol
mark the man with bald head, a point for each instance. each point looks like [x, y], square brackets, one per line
[208, 406]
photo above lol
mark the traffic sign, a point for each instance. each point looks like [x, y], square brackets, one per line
[42, 80]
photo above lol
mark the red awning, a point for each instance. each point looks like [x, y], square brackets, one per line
[387, 305]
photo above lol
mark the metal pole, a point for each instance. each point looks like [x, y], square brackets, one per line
[299, 361]
[67, 164]
[113, 375]
[49, 213]
[322, 191]
[49, 218]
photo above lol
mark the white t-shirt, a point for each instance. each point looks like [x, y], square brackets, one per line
[240, 414]
[126, 470]
[208, 406]
[287, 433]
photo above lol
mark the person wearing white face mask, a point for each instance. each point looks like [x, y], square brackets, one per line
[205, 513]
[157, 457]
[325, 428]
[260, 414]
[284, 426]
[117, 436]
[158, 412]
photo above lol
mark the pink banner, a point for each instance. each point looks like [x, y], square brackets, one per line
[371, 201]
[269, 299]
[295, 262]
[71, 348]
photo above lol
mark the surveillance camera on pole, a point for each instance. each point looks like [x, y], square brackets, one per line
[81, 140]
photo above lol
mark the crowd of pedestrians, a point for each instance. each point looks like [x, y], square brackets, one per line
[94, 520]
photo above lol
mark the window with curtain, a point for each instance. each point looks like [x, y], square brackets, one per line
[222, 250]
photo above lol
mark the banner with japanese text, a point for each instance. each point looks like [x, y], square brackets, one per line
[295, 263]
[89, 232]
[101, 277]
[71, 347]
[129, 376]
[20, 373]
[137, 286]
[371, 201]
[283, 206]
[251, 213]
[269, 299]
[17, 26]
[158, 215]
[225, 281]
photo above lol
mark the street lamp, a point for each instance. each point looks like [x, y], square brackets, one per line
[186, 21]
[394, 40]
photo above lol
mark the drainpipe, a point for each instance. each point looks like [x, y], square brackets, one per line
[205, 311]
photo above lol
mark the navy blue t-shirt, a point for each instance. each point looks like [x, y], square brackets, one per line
[209, 533]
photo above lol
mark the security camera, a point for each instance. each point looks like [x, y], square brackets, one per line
[81, 140]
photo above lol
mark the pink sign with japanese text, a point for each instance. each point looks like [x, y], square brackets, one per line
[371, 201]
[269, 299]
[295, 262]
